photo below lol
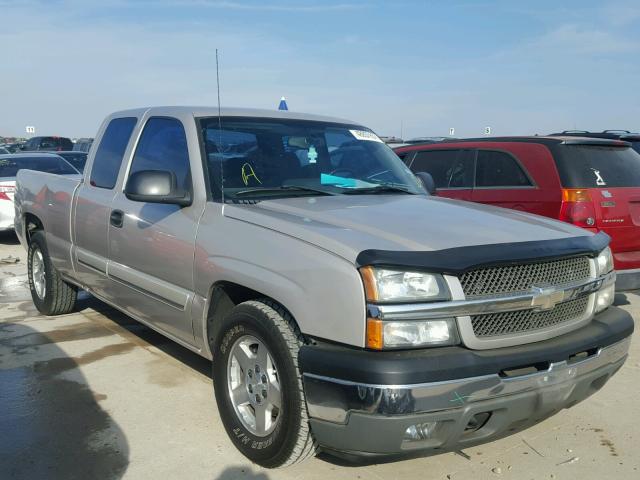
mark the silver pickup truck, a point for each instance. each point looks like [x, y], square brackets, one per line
[344, 308]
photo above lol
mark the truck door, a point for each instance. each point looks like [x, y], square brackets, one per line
[151, 245]
[93, 204]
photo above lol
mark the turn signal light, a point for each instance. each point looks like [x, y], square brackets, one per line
[575, 195]
[375, 339]
[577, 208]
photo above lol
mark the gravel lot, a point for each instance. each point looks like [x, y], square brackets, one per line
[94, 394]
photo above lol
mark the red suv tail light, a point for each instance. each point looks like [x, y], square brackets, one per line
[577, 208]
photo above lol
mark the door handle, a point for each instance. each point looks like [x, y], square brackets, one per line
[116, 218]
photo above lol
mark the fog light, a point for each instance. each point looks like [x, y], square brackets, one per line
[420, 431]
[605, 296]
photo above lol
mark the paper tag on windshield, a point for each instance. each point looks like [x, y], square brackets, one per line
[365, 135]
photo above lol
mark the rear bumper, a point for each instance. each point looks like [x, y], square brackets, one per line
[372, 418]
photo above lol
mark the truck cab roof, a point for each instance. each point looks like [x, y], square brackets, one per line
[209, 111]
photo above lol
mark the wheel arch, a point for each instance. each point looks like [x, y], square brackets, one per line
[32, 223]
[223, 297]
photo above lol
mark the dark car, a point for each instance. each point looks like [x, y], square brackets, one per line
[12, 147]
[48, 144]
[82, 145]
[77, 159]
[624, 135]
[593, 183]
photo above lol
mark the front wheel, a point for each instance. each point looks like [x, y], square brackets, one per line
[258, 385]
[50, 293]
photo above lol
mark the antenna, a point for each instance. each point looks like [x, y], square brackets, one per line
[220, 130]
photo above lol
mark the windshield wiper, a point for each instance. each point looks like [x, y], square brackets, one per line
[377, 189]
[282, 189]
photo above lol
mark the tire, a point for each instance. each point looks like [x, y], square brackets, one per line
[290, 440]
[58, 297]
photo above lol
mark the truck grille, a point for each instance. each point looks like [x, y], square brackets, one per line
[505, 323]
[520, 278]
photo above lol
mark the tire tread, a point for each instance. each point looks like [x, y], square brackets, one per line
[282, 320]
[63, 294]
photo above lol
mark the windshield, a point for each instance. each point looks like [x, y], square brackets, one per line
[9, 166]
[281, 157]
[583, 166]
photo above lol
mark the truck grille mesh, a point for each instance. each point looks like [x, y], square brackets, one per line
[505, 323]
[520, 278]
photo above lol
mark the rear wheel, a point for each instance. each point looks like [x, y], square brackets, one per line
[258, 385]
[51, 295]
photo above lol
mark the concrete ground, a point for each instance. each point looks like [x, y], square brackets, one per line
[96, 395]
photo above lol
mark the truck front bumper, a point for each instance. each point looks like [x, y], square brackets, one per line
[513, 388]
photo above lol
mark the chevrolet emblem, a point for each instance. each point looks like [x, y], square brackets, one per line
[545, 298]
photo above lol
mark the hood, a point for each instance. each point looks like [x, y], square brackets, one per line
[349, 224]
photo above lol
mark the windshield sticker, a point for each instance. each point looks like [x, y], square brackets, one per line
[365, 135]
[599, 179]
[247, 173]
[326, 179]
[312, 155]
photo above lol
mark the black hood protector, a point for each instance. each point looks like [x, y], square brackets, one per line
[458, 260]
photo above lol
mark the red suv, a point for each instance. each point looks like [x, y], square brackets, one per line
[590, 182]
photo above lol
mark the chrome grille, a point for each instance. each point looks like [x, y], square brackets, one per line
[520, 278]
[505, 323]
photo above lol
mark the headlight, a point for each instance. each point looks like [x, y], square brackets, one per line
[605, 297]
[606, 294]
[411, 334]
[604, 262]
[387, 285]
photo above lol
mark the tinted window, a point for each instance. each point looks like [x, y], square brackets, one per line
[499, 169]
[402, 155]
[9, 166]
[163, 146]
[449, 168]
[49, 142]
[106, 163]
[583, 166]
[77, 159]
[273, 154]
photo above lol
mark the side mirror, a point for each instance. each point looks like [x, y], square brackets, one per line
[427, 182]
[156, 186]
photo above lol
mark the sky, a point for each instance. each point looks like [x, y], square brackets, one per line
[406, 68]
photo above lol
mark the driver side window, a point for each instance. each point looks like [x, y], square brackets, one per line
[163, 146]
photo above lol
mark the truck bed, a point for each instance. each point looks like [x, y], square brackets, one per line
[49, 197]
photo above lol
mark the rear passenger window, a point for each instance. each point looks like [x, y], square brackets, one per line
[163, 146]
[449, 168]
[106, 163]
[499, 169]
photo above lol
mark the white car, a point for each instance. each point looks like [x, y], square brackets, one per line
[9, 166]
